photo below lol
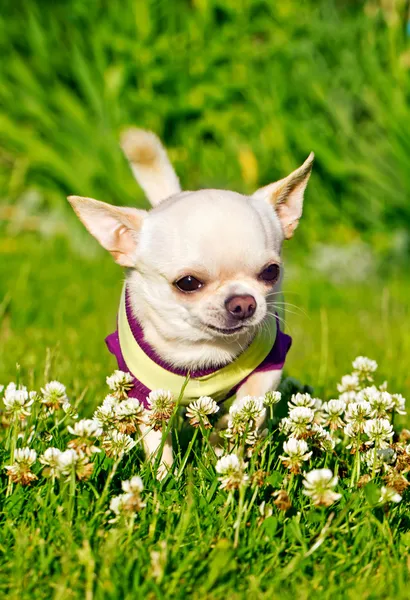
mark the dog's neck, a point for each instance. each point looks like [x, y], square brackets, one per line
[193, 355]
[182, 353]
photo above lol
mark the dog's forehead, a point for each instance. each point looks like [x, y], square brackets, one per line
[220, 229]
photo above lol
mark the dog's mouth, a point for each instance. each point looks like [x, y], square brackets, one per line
[227, 331]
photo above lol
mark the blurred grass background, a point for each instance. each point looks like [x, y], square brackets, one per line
[240, 92]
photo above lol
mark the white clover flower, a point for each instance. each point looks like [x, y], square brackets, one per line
[128, 415]
[25, 455]
[251, 408]
[120, 383]
[368, 393]
[319, 485]
[378, 432]
[349, 383]
[53, 395]
[110, 401]
[356, 415]
[305, 400]
[20, 470]
[198, 410]
[272, 398]
[348, 397]
[133, 486]
[334, 407]
[130, 502]
[384, 457]
[301, 419]
[84, 432]
[364, 368]
[285, 426]
[17, 401]
[253, 437]
[383, 404]
[388, 495]
[126, 505]
[352, 431]
[333, 411]
[117, 504]
[1, 389]
[364, 364]
[116, 444]
[86, 428]
[104, 414]
[298, 448]
[228, 463]
[296, 452]
[244, 415]
[358, 412]
[130, 407]
[231, 469]
[161, 404]
[159, 398]
[323, 437]
[12, 387]
[51, 462]
[66, 460]
[74, 461]
[399, 404]
[237, 424]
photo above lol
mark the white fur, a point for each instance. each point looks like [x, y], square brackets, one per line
[179, 237]
[223, 238]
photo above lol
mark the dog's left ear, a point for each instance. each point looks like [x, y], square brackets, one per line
[286, 196]
[115, 227]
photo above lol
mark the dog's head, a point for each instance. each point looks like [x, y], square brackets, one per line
[202, 265]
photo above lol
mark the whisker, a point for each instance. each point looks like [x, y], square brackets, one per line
[284, 306]
[281, 321]
[292, 312]
[284, 303]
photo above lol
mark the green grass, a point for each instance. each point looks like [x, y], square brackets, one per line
[240, 92]
[55, 299]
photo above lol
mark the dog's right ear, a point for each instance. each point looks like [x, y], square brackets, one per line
[116, 228]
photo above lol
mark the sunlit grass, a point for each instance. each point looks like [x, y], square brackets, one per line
[183, 542]
[240, 93]
[85, 516]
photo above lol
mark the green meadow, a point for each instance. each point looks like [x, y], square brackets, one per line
[240, 93]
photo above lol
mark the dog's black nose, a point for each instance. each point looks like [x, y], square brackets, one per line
[241, 307]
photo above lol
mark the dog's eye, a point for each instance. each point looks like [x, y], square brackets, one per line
[270, 274]
[188, 284]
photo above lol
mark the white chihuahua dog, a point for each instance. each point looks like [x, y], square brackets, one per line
[203, 269]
